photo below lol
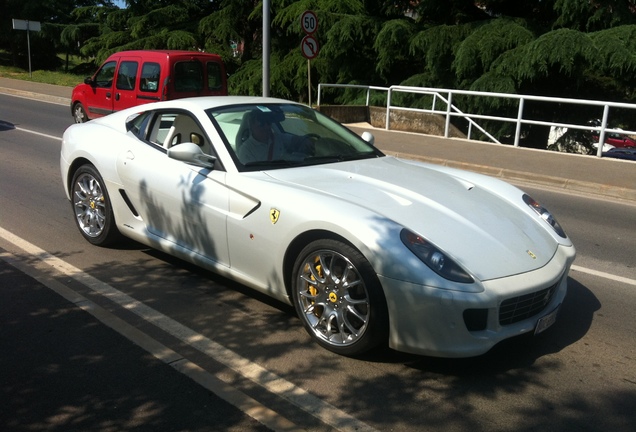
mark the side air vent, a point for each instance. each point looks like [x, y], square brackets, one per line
[128, 203]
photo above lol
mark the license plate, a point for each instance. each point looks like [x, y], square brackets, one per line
[547, 321]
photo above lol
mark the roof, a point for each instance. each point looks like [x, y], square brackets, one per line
[163, 54]
[194, 104]
[206, 102]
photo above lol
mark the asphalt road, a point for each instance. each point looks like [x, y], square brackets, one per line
[63, 370]
[204, 345]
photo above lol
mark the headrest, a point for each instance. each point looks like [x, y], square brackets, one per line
[265, 115]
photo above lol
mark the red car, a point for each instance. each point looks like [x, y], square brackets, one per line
[131, 78]
[612, 138]
[618, 140]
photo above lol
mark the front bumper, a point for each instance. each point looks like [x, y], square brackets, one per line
[432, 321]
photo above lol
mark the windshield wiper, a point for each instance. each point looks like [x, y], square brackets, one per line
[324, 159]
[272, 163]
[339, 158]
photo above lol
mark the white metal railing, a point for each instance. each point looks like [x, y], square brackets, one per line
[446, 96]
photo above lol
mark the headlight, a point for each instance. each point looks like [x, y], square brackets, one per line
[545, 215]
[434, 258]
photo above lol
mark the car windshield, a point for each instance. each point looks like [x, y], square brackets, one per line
[273, 136]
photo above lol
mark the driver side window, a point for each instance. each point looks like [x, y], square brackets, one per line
[104, 77]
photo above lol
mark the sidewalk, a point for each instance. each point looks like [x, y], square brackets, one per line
[609, 178]
[46, 92]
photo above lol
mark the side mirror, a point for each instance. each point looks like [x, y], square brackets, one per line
[368, 137]
[192, 154]
[89, 81]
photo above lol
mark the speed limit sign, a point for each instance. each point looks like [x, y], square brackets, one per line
[309, 22]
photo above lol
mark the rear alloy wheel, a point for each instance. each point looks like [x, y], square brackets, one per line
[91, 204]
[339, 298]
[79, 113]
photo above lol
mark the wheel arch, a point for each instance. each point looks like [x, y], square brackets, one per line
[75, 165]
[73, 104]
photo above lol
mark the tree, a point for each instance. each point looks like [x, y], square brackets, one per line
[567, 48]
[563, 48]
[53, 16]
[146, 24]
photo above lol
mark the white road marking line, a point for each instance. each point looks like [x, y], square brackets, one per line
[609, 276]
[325, 412]
[12, 127]
[38, 133]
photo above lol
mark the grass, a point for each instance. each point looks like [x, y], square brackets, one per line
[57, 77]
[48, 77]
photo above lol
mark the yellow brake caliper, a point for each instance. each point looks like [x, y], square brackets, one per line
[312, 289]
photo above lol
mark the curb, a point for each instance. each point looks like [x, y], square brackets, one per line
[39, 96]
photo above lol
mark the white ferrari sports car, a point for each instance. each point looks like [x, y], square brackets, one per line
[370, 250]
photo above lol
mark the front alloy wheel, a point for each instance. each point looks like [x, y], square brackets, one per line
[79, 113]
[93, 212]
[339, 298]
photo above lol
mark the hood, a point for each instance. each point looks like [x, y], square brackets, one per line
[474, 224]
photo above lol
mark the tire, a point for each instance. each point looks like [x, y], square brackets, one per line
[91, 205]
[338, 297]
[79, 113]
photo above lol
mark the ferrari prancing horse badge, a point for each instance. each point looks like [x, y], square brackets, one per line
[274, 215]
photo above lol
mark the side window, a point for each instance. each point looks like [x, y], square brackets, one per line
[152, 127]
[163, 126]
[138, 125]
[214, 76]
[188, 76]
[127, 75]
[150, 73]
[104, 77]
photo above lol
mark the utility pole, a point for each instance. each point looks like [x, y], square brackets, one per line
[266, 47]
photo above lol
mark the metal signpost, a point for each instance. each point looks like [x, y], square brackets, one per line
[28, 26]
[266, 47]
[309, 45]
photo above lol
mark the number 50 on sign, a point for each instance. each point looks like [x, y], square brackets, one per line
[309, 22]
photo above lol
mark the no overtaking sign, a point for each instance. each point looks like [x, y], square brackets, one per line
[309, 45]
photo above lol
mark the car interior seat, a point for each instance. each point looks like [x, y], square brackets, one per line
[185, 129]
[243, 130]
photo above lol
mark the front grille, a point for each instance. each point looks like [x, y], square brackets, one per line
[519, 308]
